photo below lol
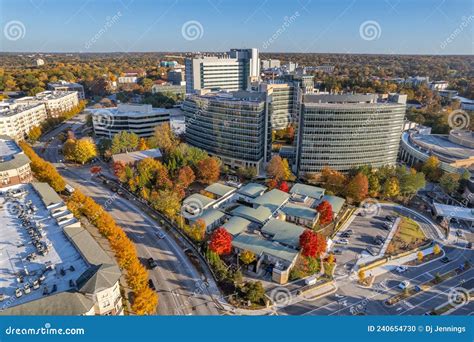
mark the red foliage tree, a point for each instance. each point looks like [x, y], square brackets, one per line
[326, 214]
[221, 241]
[284, 186]
[119, 169]
[95, 169]
[358, 187]
[312, 244]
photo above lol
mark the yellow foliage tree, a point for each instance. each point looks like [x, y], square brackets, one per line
[247, 257]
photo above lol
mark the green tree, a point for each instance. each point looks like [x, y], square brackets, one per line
[450, 182]
[253, 291]
[374, 185]
[391, 187]
[431, 169]
[124, 142]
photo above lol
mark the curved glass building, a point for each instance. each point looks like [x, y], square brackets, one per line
[232, 126]
[348, 130]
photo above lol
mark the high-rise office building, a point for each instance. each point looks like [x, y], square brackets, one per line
[232, 71]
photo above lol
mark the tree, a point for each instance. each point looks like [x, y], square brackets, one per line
[247, 257]
[284, 186]
[35, 133]
[69, 148]
[84, 150]
[221, 241]
[361, 275]
[358, 187]
[164, 138]
[410, 182]
[391, 187]
[374, 185]
[326, 214]
[436, 249]
[167, 202]
[420, 256]
[208, 170]
[197, 231]
[450, 182]
[431, 169]
[278, 169]
[253, 291]
[142, 145]
[124, 141]
[334, 181]
[119, 170]
[185, 177]
[312, 244]
[331, 258]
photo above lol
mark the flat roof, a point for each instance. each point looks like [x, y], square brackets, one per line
[220, 189]
[336, 202]
[47, 194]
[440, 144]
[307, 190]
[259, 245]
[452, 211]
[284, 232]
[236, 225]
[252, 189]
[272, 199]
[258, 215]
[132, 157]
[11, 155]
[299, 211]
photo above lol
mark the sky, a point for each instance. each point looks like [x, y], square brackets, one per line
[323, 26]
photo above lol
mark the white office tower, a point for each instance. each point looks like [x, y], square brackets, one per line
[230, 72]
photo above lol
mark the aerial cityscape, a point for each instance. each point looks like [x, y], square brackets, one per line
[224, 158]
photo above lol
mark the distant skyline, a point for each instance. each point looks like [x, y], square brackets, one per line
[298, 26]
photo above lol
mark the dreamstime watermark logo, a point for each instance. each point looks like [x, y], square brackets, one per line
[281, 296]
[464, 24]
[287, 21]
[14, 207]
[458, 296]
[47, 329]
[103, 118]
[109, 22]
[14, 30]
[192, 30]
[459, 119]
[192, 208]
[370, 207]
[370, 30]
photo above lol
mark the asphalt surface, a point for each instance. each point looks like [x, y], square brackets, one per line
[181, 288]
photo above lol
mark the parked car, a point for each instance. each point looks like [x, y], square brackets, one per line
[349, 231]
[342, 242]
[445, 260]
[372, 251]
[459, 233]
[337, 251]
[160, 235]
[380, 237]
[404, 284]
[390, 218]
[345, 235]
[401, 269]
[152, 263]
[469, 245]
[377, 242]
[151, 285]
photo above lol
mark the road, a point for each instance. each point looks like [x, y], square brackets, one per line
[180, 286]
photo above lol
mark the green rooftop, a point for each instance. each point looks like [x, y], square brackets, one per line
[209, 216]
[272, 199]
[258, 215]
[199, 199]
[259, 246]
[252, 189]
[284, 232]
[220, 189]
[336, 203]
[307, 190]
[301, 211]
[236, 225]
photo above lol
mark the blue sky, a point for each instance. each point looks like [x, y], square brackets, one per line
[391, 26]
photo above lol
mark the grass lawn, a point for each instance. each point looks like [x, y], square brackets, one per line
[407, 237]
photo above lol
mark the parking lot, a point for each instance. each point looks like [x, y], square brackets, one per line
[365, 230]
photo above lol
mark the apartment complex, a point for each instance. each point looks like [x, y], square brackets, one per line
[17, 118]
[348, 130]
[56, 102]
[14, 164]
[57, 268]
[136, 118]
[232, 126]
[68, 86]
[232, 71]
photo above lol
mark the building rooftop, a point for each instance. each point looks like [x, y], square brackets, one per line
[11, 156]
[284, 232]
[132, 157]
[209, 216]
[452, 211]
[336, 202]
[301, 211]
[259, 246]
[258, 215]
[307, 190]
[252, 189]
[439, 144]
[220, 189]
[47, 194]
[236, 225]
[198, 199]
[129, 110]
[272, 199]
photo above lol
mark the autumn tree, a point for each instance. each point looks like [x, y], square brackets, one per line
[197, 230]
[247, 257]
[279, 169]
[334, 181]
[358, 187]
[119, 170]
[84, 150]
[35, 133]
[436, 249]
[326, 214]
[208, 170]
[420, 256]
[185, 177]
[450, 182]
[221, 241]
[69, 149]
[142, 145]
[312, 244]
[284, 186]
[431, 169]
[124, 141]
[374, 185]
[391, 187]
[167, 202]
[164, 138]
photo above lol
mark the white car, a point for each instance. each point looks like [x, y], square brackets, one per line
[401, 269]
[404, 284]
[342, 242]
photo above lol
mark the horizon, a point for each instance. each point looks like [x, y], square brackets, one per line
[428, 27]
